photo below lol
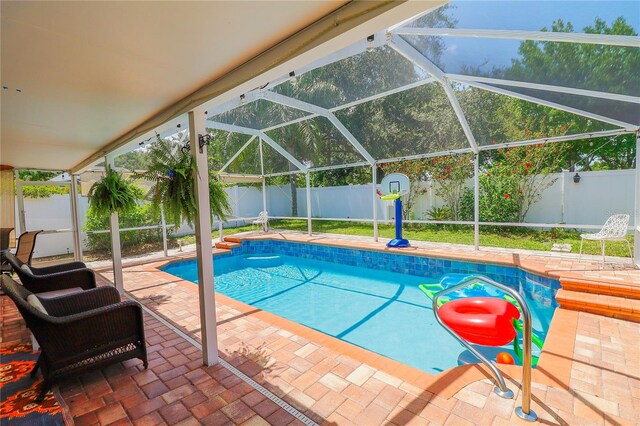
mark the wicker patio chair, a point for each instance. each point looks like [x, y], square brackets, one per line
[57, 277]
[81, 331]
[614, 229]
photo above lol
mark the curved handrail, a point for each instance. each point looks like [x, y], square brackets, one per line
[525, 412]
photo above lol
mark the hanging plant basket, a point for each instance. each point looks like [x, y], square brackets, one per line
[113, 193]
[171, 172]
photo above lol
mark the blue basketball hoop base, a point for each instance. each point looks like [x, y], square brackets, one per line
[398, 242]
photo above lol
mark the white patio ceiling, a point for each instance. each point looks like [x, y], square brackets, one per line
[90, 72]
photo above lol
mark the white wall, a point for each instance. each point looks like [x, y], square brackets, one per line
[590, 202]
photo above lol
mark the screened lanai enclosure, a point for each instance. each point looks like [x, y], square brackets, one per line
[501, 113]
[470, 79]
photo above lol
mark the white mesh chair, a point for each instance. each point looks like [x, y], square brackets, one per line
[614, 229]
[262, 221]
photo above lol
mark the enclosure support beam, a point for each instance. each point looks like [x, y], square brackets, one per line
[206, 293]
[374, 182]
[559, 37]
[309, 222]
[314, 109]
[637, 209]
[476, 201]
[116, 249]
[20, 198]
[500, 91]
[163, 223]
[264, 180]
[223, 168]
[75, 220]
[418, 59]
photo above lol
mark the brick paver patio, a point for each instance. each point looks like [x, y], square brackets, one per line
[588, 374]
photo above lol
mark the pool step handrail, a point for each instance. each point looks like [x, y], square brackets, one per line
[524, 412]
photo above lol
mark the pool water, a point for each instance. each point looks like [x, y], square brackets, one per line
[384, 312]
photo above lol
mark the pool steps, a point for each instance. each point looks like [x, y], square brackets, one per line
[601, 298]
[228, 243]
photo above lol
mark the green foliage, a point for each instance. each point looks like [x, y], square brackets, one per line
[113, 193]
[140, 215]
[40, 191]
[439, 213]
[43, 191]
[171, 170]
[36, 175]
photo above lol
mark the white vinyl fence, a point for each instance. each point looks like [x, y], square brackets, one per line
[589, 202]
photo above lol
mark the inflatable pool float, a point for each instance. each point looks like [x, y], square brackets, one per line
[484, 321]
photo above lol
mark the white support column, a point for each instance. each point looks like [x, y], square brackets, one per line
[75, 220]
[220, 230]
[374, 183]
[116, 250]
[264, 181]
[21, 215]
[309, 222]
[637, 209]
[476, 201]
[206, 293]
[163, 223]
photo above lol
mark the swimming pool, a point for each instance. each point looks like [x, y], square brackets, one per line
[378, 308]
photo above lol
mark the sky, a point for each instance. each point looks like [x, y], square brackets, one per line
[521, 15]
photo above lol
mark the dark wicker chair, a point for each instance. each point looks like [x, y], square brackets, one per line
[81, 331]
[58, 277]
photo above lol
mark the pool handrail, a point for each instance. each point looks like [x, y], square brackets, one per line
[524, 412]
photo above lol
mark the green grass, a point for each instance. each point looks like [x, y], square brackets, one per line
[516, 238]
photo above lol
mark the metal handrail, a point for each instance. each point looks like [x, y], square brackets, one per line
[524, 412]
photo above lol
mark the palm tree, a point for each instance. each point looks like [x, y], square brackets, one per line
[300, 140]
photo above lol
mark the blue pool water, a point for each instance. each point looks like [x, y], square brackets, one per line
[382, 311]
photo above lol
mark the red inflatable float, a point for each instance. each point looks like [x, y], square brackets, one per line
[481, 320]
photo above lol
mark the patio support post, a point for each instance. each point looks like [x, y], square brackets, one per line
[75, 221]
[374, 182]
[309, 222]
[116, 250]
[636, 231]
[476, 200]
[264, 180]
[20, 200]
[206, 294]
[163, 223]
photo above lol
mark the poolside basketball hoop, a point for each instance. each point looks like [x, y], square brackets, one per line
[392, 188]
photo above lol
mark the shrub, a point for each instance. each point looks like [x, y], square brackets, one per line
[140, 215]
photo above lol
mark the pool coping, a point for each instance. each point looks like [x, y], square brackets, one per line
[553, 367]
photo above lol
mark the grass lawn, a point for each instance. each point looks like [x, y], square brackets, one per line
[518, 238]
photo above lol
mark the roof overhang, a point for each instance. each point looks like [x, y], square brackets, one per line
[95, 76]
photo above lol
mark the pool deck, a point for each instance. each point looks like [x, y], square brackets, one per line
[589, 372]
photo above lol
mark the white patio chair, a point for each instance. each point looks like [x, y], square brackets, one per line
[614, 229]
[262, 220]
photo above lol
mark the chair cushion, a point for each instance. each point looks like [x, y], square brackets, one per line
[33, 300]
[57, 293]
[26, 268]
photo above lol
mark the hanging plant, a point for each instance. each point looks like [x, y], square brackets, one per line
[113, 193]
[170, 170]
